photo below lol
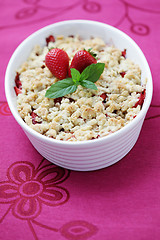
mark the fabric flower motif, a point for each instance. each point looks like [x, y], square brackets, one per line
[4, 109]
[28, 188]
[78, 230]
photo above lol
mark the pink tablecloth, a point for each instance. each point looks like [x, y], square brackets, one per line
[118, 202]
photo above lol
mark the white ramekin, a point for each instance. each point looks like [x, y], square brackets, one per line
[85, 155]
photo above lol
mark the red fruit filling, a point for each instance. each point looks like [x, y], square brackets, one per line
[17, 90]
[122, 74]
[50, 39]
[141, 99]
[71, 100]
[34, 115]
[104, 96]
[58, 100]
[124, 53]
[18, 84]
[17, 81]
[95, 138]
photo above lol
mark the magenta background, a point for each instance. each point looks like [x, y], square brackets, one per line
[118, 202]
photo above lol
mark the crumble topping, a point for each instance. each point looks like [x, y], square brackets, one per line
[85, 114]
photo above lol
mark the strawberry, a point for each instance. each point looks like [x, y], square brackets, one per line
[82, 59]
[57, 61]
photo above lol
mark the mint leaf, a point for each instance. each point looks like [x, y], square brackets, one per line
[69, 85]
[93, 72]
[88, 84]
[61, 88]
[75, 75]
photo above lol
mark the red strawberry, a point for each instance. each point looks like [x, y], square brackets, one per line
[57, 61]
[81, 60]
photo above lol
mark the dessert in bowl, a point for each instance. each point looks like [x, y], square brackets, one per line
[92, 126]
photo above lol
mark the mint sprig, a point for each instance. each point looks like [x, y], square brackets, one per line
[69, 85]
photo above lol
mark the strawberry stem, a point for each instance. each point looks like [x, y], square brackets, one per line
[93, 54]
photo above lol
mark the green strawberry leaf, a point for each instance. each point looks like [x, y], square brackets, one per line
[61, 88]
[93, 72]
[92, 53]
[88, 84]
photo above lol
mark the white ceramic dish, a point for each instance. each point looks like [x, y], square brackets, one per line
[85, 155]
